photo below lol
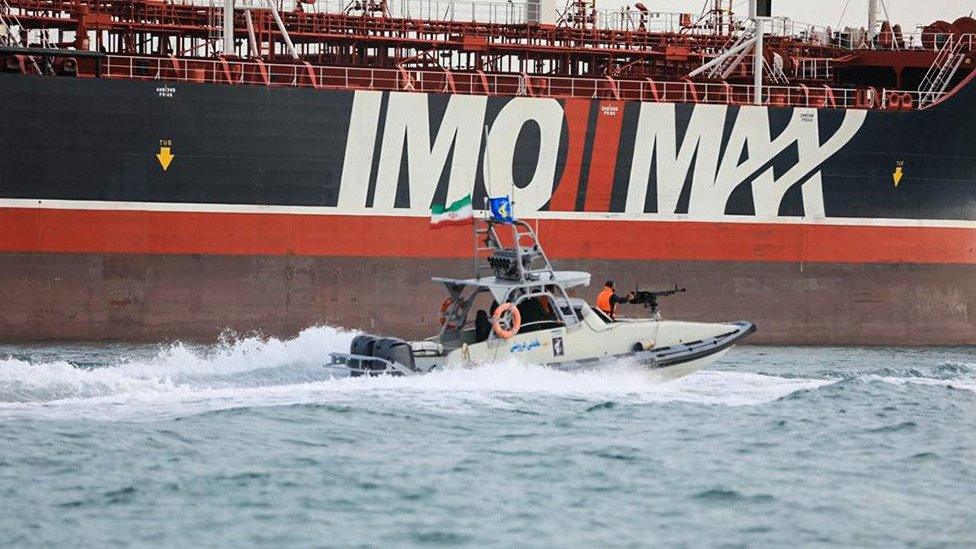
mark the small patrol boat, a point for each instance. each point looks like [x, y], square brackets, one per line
[518, 306]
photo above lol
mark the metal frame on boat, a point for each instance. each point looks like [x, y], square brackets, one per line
[532, 316]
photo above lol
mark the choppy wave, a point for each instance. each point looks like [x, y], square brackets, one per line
[250, 361]
[181, 380]
[960, 383]
[953, 375]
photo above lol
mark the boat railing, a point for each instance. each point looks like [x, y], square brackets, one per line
[499, 12]
[480, 11]
[256, 72]
[459, 10]
[630, 19]
[624, 19]
[915, 41]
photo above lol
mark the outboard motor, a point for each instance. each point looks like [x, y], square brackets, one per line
[365, 345]
[395, 350]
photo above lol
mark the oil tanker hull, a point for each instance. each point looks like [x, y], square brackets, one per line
[155, 211]
[135, 297]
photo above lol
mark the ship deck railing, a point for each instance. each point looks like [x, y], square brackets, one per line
[306, 75]
[438, 20]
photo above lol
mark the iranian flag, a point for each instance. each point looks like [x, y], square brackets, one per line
[458, 213]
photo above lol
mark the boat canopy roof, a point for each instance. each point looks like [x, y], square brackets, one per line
[501, 288]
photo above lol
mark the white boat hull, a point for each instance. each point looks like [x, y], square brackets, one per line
[684, 348]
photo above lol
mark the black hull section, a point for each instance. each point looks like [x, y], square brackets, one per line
[76, 139]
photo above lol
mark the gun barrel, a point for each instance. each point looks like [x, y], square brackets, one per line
[667, 292]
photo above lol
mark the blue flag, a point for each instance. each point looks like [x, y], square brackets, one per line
[501, 209]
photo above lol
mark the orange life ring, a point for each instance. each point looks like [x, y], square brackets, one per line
[445, 305]
[907, 103]
[894, 101]
[516, 321]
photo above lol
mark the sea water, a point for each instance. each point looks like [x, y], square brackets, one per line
[252, 442]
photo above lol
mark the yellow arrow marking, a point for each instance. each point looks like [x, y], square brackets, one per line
[164, 157]
[897, 175]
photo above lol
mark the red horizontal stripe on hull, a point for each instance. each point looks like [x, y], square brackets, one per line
[148, 232]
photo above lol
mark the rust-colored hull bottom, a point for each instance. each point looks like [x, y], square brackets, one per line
[158, 298]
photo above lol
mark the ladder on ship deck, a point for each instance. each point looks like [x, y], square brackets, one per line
[9, 38]
[943, 69]
[734, 54]
[215, 27]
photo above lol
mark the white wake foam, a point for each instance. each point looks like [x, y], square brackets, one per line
[253, 372]
[959, 383]
[616, 381]
[177, 366]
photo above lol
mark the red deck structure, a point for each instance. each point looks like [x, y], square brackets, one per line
[631, 54]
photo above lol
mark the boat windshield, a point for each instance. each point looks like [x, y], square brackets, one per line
[603, 316]
[579, 306]
[538, 314]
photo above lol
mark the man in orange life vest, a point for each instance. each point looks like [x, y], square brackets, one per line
[607, 300]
